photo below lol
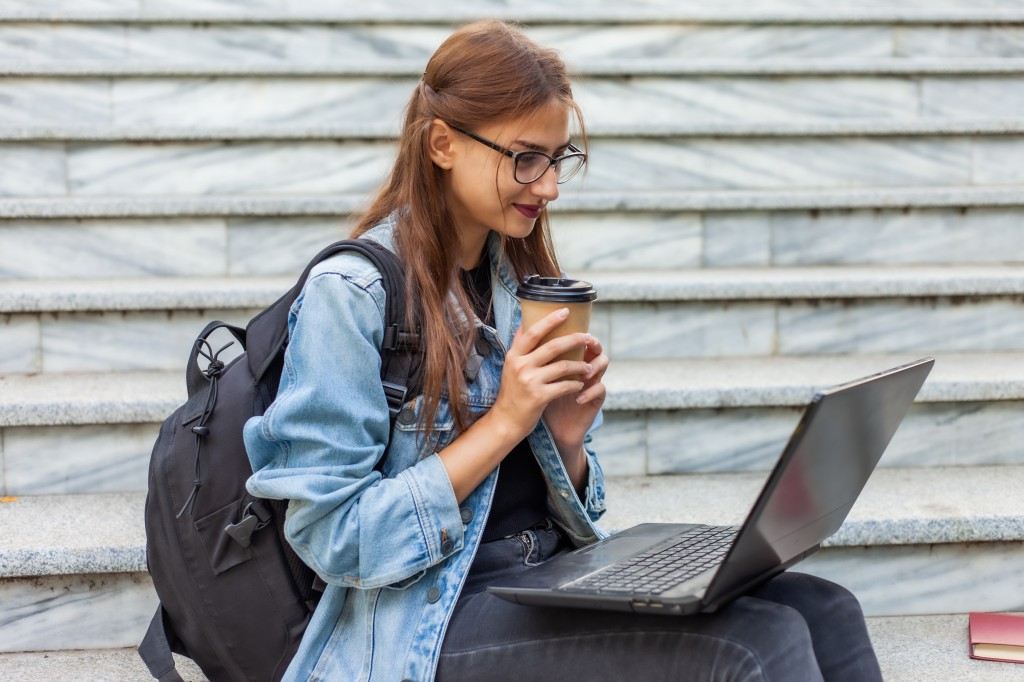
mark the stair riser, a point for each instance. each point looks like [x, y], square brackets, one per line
[91, 611]
[115, 457]
[217, 247]
[750, 439]
[927, 579]
[233, 102]
[138, 341]
[113, 610]
[291, 168]
[323, 43]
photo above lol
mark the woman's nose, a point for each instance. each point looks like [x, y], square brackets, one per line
[546, 186]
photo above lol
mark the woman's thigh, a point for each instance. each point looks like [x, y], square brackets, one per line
[751, 640]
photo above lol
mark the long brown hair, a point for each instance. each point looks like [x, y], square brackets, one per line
[485, 72]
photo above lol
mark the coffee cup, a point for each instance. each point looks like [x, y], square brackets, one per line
[540, 296]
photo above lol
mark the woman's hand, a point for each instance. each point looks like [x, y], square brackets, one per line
[533, 379]
[570, 417]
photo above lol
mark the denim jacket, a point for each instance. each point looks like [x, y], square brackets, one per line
[393, 544]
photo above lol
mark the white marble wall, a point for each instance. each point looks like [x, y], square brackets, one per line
[213, 247]
[376, 103]
[143, 341]
[75, 612]
[104, 341]
[291, 168]
[123, 248]
[58, 460]
[678, 330]
[925, 579]
[751, 439]
[578, 43]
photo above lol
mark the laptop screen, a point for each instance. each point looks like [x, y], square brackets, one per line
[823, 469]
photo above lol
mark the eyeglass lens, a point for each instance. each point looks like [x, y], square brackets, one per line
[531, 165]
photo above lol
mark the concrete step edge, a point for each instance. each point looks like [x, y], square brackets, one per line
[570, 201]
[639, 385]
[389, 131]
[909, 648]
[591, 68]
[403, 13]
[104, 532]
[708, 284]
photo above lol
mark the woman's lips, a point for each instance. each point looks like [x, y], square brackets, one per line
[531, 212]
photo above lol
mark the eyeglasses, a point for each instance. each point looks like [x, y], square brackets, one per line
[530, 166]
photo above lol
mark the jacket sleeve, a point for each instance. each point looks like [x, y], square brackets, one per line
[318, 442]
[593, 498]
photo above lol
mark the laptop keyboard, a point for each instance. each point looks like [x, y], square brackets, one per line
[660, 568]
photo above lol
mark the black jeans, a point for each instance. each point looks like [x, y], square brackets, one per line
[793, 628]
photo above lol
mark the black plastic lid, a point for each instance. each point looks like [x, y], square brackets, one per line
[556, 290]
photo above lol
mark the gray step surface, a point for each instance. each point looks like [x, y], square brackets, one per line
[99, 68]
[148, 324]
[733, 284]
[909, 649]
[68, 556]
[148, 397]
[662, 418]
[385, 130]
[572, 200]
[53, 535]
[531, 11]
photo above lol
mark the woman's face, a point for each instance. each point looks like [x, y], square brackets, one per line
[483, 191]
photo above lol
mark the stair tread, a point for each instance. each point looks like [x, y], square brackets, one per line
[698, 284]
[148, 397]
[909, 648]
[103, 532]
[884, 66]
[389, 130]
[345, 204]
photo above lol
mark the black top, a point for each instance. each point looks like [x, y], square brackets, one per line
[520, 496]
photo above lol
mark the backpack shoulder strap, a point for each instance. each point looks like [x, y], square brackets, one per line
[267, 333]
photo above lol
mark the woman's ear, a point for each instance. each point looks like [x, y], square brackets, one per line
[441, 144]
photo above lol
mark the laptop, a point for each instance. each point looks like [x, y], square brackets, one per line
[680, 569]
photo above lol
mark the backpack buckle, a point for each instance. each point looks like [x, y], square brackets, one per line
[251, 522]
[395, 394]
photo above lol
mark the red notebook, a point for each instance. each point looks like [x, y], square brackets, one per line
[997, 637]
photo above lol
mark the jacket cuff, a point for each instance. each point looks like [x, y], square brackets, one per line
[436, 507]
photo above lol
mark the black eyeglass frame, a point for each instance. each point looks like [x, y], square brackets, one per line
[574, 153]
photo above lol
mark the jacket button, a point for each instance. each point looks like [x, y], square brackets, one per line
[433, 594]
[447, 546]
[406, 416]
[483, 346]
[467, 514]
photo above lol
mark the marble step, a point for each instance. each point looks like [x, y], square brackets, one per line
[589, 66]
[924, 127]
[73, 567]
[282, 168]
[667, 96]
[571, 200]
[810, 12]
[599, 238]
[56, 326]
[678, 417]
[589, 36]
[909, 649]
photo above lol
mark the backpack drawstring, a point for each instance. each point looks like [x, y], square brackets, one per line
[212, 372]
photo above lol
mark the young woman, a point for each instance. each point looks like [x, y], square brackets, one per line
[489, 469]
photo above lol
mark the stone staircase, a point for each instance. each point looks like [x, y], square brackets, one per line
[783, 195]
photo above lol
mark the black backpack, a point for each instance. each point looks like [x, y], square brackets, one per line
[234, 596]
